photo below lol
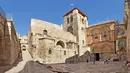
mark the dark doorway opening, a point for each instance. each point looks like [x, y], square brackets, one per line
[97, 57]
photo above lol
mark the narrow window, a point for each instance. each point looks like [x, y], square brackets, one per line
[45, 32]
[67, 20]
[75, 52]
[64, 52]
[31, 34]
[50, 52]
[71, 19]
[82, 20]
[82, 28]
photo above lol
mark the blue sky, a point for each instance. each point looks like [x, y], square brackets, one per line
[53, 11]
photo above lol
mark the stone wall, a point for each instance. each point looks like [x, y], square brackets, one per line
[45, 37]
[2, 40]
[13, 43]
[127, 25]
[52, 53]
[10, 46]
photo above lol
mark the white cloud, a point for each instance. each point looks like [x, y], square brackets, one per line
[71, 4]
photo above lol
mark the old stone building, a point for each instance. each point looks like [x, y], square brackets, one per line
[107, 40]
[100, 38]
[52, 43]
[10, 46]
[75, 40]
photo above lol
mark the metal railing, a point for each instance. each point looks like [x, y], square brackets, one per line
[2, 12]
[9, 16]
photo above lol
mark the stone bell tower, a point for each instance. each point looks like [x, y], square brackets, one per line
[76, 22]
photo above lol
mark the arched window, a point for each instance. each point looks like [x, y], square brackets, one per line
[45, 32]
[49, 52]
[70, 29]
[95, 35]
[60, 43]
[71, 18]
[121, 32]
[104, 34]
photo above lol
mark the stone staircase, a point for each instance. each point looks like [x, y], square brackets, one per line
[20, 66]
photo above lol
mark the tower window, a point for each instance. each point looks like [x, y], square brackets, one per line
[50, 52]
[71, 19]
[70, 29]
[64, 52]
[82, 28]
[45, 32]
[67, 20]
[82, 20]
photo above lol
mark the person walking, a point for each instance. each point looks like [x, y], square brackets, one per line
[94, 60]
[87, 60]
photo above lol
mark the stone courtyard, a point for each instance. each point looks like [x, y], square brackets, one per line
[74, 47]
[99, 67]
[28, 65]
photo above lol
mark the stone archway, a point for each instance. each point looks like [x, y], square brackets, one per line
[61, 44]
[95, 49]
[105, 51]
[24, 48]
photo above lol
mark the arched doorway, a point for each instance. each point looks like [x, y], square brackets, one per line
[96, 53]
[105, 51]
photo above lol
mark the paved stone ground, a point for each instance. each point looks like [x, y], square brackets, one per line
[98, 67]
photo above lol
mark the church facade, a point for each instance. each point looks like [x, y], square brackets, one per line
[54, 44]
[107, 40]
